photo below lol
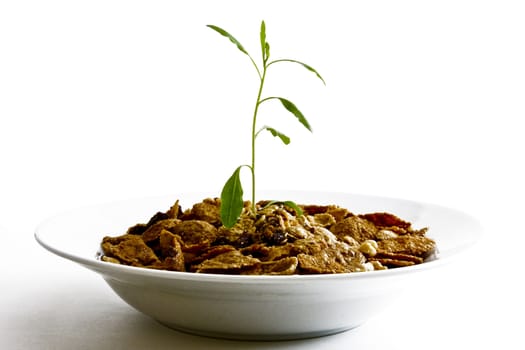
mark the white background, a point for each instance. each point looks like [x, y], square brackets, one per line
[104, 100]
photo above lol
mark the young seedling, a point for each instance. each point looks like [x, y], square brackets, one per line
[232, 201]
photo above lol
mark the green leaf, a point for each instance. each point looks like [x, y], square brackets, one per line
[295, 111]
[290, 204]
[229, 36]
[310, 68]
[285, 139]
[294, 206]
[263, 41]
[231, 199]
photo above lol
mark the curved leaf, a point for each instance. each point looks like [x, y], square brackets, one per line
[294, 206]
[229, 36]
[289, 204]
[285, 139]
[290, 107]
[310, 68]
[231, 199]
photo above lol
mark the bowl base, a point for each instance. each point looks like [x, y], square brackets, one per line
[257, 337]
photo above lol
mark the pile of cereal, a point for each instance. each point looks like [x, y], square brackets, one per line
[324, 239]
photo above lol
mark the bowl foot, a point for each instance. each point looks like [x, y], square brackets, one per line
[257, 336]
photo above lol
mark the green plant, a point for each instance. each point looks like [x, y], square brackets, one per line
[232, 201]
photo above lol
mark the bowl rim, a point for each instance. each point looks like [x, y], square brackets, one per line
[105, 268]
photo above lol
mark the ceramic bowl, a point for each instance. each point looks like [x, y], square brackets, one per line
[254, 307]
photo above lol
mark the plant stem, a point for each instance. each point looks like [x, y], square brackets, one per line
[254, 134]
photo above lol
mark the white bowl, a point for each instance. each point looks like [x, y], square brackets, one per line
[253, 307]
